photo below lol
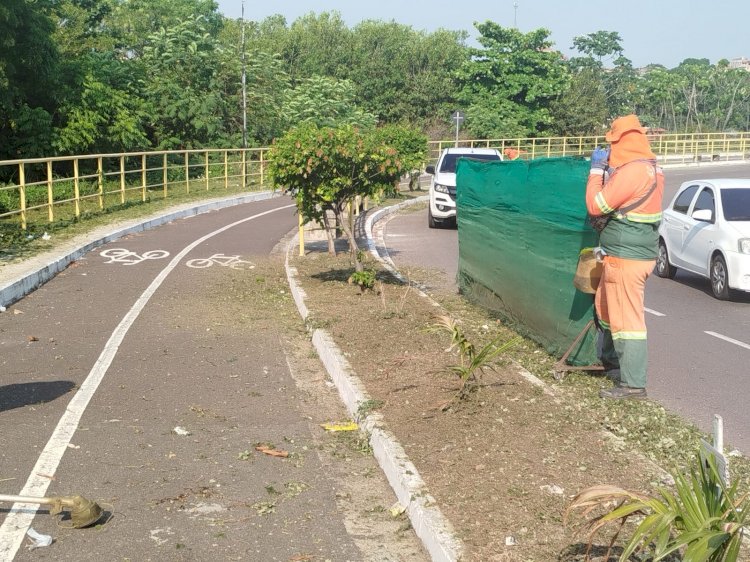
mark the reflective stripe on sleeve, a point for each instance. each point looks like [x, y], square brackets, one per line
[602, 204]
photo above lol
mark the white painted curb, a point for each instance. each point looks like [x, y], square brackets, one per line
[434, 530]
[381, 215]
[386, 262]
[31, 280]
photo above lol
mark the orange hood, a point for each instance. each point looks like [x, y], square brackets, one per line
[629, 141]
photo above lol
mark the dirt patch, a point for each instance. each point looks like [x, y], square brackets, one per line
[504, 464]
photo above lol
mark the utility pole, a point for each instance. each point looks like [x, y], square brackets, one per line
[515, 15]
[244, 82]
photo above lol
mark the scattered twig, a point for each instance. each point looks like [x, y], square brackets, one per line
[270, 451]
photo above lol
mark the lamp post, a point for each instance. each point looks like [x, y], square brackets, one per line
[244, 83]
[515, 15]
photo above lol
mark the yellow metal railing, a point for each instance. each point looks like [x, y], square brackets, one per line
[44, 190]
[667, 147]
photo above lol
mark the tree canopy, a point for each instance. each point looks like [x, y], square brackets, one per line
[325, 168]
[122, 75]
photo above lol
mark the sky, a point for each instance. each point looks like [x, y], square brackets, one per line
[653, 31]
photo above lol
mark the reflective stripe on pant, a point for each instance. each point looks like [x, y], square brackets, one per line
[620, 308]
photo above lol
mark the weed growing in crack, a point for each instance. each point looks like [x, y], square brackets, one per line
[368, 406]
[398, 312]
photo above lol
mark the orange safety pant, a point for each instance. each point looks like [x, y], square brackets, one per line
[619, 303]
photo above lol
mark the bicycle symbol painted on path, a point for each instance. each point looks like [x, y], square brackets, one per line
[126, 257]
[232, 262]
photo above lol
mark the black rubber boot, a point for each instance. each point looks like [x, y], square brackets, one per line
[620, 392]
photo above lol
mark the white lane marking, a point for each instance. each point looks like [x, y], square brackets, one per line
[728, 339]
[397, 235]
[655, 313]
[21, 515]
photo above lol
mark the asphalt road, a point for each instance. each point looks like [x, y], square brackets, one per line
[699, 347]
[132, 379]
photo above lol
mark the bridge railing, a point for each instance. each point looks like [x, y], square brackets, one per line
[680, 148]
[45, 190]
[41, 191]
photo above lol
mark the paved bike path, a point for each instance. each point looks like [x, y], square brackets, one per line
[194, 358]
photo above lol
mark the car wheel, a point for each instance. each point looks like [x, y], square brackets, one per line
[663, 267]
[431, 222]
[719, 277]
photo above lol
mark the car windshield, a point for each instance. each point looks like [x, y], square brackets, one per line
[449, 160]
[736, 204]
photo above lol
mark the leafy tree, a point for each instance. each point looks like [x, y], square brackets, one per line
[582, 108]
[695, 85]
[508, 84]
[402, 74]
[182, 85]
[266, 85]
[28, 77]
[598, 48]
[268, 35]
[109, 115]
[621, 87]
[729, 87]
[411, 146]
[134, 21]
[317, 45]
[324, 169]
[603, 62]
[326, 102]
[83, 26]
[432, 78]
[399, 74]
[661, 102]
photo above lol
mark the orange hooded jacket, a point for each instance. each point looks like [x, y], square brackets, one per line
[635, 172]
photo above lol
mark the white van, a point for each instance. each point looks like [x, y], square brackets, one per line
[442, 209]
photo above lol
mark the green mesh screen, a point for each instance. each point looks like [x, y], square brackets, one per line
[521, 225]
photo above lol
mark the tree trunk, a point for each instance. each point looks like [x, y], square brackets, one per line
[414, 182]
[329, 234]
[347, 225]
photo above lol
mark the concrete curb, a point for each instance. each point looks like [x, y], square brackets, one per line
[380, 215]
[37, 271]
[388, 264]
[433, 529]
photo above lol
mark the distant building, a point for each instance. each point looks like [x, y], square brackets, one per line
[740, 62]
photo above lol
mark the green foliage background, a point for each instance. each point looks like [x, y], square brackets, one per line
[88, 76]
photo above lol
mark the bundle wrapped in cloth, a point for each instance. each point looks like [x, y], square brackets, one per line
[589, 271]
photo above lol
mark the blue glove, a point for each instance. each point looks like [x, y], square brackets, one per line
[600, 158]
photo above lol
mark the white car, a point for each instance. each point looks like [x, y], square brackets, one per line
[706, 230]
[442, 207]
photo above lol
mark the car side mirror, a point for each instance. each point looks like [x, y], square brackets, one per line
[704, 215]
[430, 170]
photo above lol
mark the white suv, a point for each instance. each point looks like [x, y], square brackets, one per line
[442, 207]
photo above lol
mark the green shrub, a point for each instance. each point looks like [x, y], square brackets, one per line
[703, 518]
[365, 279]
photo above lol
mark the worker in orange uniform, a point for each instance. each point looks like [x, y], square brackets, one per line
[631, 197]
[511, 153]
